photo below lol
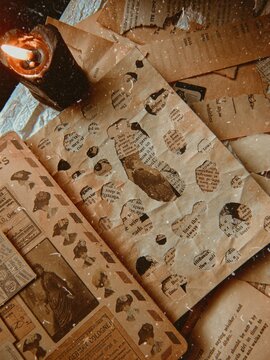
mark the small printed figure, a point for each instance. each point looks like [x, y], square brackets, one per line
[41, 203]
[102, 167]
[80, 252]
[123, 303]
[251, 100]
[63, 165]
[136, 153]
[22, 177]
[235, 219]
[146, 335]
[60, 229]
[32, 344]
[100, 280]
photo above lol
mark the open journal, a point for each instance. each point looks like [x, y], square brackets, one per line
[83, 303]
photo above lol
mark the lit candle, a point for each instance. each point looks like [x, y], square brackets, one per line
[42, 61]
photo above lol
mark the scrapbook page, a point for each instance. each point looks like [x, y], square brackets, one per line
[154, 181]
[82, 299]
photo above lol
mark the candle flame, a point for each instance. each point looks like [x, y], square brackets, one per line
[17, 52]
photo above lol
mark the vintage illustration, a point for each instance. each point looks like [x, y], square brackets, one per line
[60, 229]
[41, 203]
[55, 293]
[23, 178]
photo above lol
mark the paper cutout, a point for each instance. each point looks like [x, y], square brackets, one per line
[235, 219]
[207, 176]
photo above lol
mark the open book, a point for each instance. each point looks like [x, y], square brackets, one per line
[173, 204]
[83, 303]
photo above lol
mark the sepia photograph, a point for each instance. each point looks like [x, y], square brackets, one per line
[55, 294]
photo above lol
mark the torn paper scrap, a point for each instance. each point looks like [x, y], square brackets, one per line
[200, 52]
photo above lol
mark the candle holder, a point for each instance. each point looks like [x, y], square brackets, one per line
[45, 65]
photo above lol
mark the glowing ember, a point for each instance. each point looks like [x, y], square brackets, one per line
[17, 52]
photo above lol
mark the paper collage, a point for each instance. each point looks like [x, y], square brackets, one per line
[203, 218]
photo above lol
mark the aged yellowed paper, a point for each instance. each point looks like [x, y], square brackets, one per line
[235, 325]
[80, 284]
[161, 190]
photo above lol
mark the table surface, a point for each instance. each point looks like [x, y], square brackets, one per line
[22, 113]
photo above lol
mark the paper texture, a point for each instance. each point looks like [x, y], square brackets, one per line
[15, 273]
[156, 184]
[74, 266]
[228, 45]
[124, 15]
[235, 325]
[235, 117]
[251, 151]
